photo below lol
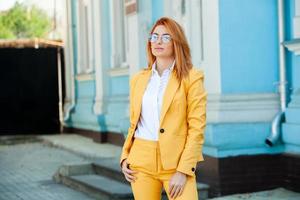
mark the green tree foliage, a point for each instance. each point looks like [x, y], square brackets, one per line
[22, 21]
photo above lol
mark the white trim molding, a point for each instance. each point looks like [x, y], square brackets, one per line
[85, 77]
[119, 72]
[239, 108]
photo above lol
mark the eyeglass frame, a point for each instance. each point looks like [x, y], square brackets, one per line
[160, 36]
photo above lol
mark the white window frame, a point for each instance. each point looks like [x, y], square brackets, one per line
[192, 21]
[85, 37]
[296, 20]
[118, 28]
[208, 58]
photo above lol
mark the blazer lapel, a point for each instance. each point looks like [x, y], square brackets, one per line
[168, 95]
[140, 88]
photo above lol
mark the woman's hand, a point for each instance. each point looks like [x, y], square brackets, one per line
[127, 172]
[176, 184]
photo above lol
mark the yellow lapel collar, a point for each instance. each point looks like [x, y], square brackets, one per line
[141, 86]
[170, 91]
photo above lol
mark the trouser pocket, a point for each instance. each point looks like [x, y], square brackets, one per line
[143, 157]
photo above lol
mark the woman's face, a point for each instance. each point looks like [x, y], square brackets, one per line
[163, 46]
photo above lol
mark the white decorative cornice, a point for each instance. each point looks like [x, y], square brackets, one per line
[293, 45]
[233, 108]
[119, 71]
[239, 108]
[85, 77]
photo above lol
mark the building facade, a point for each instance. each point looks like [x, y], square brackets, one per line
[249, 51]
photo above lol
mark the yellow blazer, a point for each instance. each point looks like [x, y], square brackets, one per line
[182, 119]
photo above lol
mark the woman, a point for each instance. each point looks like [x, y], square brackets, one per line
[167, 119]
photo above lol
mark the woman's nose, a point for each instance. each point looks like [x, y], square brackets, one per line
[159, 40]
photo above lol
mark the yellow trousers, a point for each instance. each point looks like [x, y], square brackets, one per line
[144, 157]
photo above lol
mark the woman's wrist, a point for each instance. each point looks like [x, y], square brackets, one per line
[182, 173]
[123, 162]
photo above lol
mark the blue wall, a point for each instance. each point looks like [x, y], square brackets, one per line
[157, 9]
[248, 42]
[232, 139]
[249, 64]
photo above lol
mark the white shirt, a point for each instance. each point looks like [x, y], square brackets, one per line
[148, 124]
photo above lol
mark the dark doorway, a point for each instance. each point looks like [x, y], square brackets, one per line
[29, 90]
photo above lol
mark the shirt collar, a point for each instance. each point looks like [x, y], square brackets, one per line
[170, 68]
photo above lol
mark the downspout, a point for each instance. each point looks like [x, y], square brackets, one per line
[69, 108]
[60, 95]
[273, 138]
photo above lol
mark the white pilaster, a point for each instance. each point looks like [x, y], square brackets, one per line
[98, 102]
[211, 46]
[69, 101]
[132, 36]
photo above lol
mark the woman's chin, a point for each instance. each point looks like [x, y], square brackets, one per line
[160, 55]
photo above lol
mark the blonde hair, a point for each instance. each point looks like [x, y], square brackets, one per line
[182, 53]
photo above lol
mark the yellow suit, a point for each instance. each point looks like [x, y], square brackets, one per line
[182, 119]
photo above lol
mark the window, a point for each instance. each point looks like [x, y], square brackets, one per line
[85, 61]
[296, 19]
[189, 14]
[118, 51]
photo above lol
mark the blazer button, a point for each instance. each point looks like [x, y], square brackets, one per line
[193, 169]
[161, 130]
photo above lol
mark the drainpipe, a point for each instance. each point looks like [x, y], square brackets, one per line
[60, 95]
[273, 138]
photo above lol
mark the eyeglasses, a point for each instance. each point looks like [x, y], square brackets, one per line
[165, 38]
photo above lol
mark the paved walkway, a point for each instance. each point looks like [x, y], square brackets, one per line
[83, 146]
[26, 173]
[276, 194]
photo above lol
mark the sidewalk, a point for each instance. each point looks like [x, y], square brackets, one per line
[26, 171]
[82, 146]
[276, 194]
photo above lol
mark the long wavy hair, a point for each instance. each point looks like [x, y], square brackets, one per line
[183, 61]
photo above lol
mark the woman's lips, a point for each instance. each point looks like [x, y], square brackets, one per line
[159, 49]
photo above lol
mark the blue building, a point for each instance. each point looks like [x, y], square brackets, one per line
[249, 51]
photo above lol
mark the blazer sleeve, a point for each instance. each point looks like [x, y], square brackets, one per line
[126, 147]
[196, 120]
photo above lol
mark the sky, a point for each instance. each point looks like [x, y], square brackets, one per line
[47, 5]
[6, 4]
